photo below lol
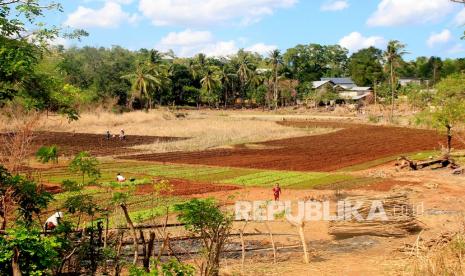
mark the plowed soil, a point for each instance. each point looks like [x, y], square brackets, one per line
[72, 143]
[354, 144]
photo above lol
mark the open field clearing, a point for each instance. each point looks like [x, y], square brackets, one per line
[204, 129]
[354, 144]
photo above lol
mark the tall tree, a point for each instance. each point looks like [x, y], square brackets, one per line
[365, 66]
[275, 60]
[210, 82]
[393, 57]
[142, 81]
[244, 69]
[227, 80]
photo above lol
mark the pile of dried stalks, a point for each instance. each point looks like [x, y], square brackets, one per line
[399, 212]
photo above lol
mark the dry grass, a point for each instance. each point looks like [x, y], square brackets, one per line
[15, 145]
[444, 258]
[205, 129]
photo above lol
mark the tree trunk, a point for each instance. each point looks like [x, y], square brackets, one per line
[134, 232]
[15, 263]
[275, 253]
[3, 213]
[449, 138]
[118, 253]
[304, 242]
[392, 93]
[276, 90]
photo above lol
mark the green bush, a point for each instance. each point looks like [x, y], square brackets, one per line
[38, 254]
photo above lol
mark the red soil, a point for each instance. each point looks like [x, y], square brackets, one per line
[182, 187]
[352, 145]
[72, 143]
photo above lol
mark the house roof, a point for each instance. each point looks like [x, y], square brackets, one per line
[340, 81]
[358, 88]
[318, 84]
[356, 97]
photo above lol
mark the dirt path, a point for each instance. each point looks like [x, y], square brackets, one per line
[352, 145]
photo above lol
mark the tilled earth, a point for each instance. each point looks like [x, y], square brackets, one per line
[71, 143]
[353, 144]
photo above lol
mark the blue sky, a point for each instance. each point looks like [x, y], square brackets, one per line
[220, 27]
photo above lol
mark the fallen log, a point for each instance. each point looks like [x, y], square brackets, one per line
[443, 162]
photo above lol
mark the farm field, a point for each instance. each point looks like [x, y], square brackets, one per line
[322, 159]
[353, 144]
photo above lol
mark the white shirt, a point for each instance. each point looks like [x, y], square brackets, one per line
[54, 218]
[120, 178]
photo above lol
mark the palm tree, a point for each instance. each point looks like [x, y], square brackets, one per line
[244, 69]
[275, 59]
[393, 56]
[256, 79]
[226, 79]
[210, 81]
[162, 73]
[142, 81]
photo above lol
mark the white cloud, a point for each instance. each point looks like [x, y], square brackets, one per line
[439, 38]
[460, 18]
[111, 15]
[335, 5]
[187, 38]
[356, 41]
[261, 48]
[403, 12]
[189, 42]
[207, 12]
[220, 49]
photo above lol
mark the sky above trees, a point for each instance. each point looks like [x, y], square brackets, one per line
[219, 27]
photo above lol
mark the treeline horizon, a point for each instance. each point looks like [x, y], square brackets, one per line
[66, 79]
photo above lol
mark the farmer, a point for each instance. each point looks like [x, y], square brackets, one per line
[53, 221]
[120, 178]
[108, 135]
[276, 192]
[122, 135]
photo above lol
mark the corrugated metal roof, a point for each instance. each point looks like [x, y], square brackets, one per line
[357, 88]
[341, 81]
[318, 84]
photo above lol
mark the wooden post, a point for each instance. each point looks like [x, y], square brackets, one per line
[272, 242]
[241, 234]
[301, 225]
[304, 242]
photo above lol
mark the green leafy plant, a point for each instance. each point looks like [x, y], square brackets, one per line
[172, 267]
[448, 108]
[47, 154]
[203, 218]
[85, 164]
[28, 251]
[20, 194]
[70, 186]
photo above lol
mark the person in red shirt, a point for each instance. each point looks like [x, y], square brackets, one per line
[276, 192]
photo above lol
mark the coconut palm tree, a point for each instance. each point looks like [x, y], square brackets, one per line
[275, 60]
[244, 69]
[210, 82]
[226, 78]
[142, 81]
[393, 57]
[256, 79]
